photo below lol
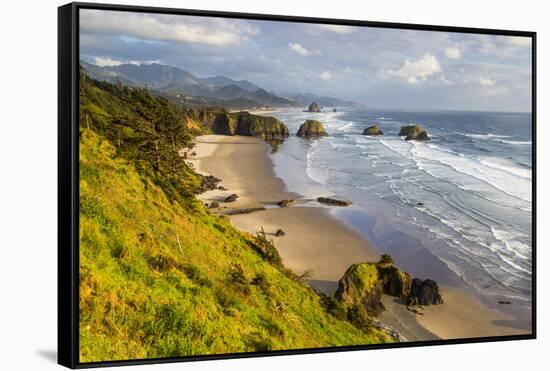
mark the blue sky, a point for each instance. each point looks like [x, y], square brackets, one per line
[382, 68]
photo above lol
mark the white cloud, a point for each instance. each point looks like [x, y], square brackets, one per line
[108, 61]
[164, 27]
[485, 81]
[520, 41]
[416, 71]
[335, 28]
[298, 48]
[326, 75]
[453, 53]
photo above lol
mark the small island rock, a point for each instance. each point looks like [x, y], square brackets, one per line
[279, 233]
[373, 130]
[314, 107]
[312, 129]
[414, 132]
[214, 205]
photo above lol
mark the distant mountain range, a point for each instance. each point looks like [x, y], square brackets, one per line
[186, 88]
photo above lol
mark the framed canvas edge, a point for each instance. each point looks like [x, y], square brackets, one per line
[68, 193]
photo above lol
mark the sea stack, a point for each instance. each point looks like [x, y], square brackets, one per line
[247, 124]
[373, 130]
[414, 132]
[312, 129]
[314, 107]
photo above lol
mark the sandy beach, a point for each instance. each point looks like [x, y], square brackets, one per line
[321, 245]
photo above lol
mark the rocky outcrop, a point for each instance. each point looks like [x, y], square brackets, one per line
[208, 183]
[314, 107]
[225, 124]
[424, 293]
[422, 136]
[395, 281]
[279, 233]
[333, 201]
[373, 130]
[414, 132]
[312, 129]
[244, 123]
[361, 289]
[363, 285]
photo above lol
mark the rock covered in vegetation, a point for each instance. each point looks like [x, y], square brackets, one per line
[333, 201]
[225, 124]
[231, 198]
[314, 107]
[361, 288]
[414, 132]
[363, 285]
[373, 130]
[244, 123]
[395, 281]
[214, 205]
[424, 292]
[312, 129]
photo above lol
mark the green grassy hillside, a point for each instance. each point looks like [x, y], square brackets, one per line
[159, 275]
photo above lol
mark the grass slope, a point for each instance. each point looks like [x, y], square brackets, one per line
[159, 275]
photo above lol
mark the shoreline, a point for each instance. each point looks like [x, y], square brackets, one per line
[327, 246]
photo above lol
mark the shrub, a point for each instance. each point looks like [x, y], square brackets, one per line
[385, 259]
[264, 246]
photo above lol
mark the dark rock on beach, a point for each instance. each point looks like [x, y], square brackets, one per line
[222, 188]
[314, 107]
[280, 233]
[373, 130]
[249, 210]
[312, 129]
[424, 293]
[333, 201]
[231, 198]
[285, 203]
[208, 183]
[504, 302]
[214, 205]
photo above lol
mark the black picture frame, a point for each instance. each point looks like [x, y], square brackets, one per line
[68, 180]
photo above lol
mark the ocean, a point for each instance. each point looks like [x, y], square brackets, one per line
[457, 209]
